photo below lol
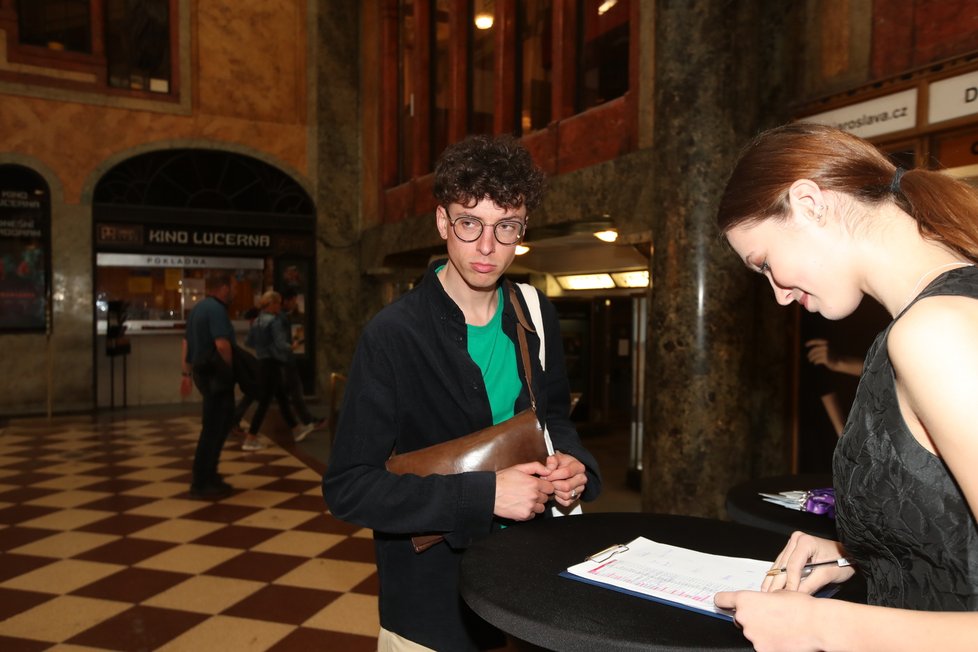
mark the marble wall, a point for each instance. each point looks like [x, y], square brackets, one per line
[721, 74]
[339, 177]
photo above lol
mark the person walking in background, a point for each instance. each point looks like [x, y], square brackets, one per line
[206, 357]
[435, 365]
[290, 369]
[273, 347]
[828, 219]
[248, 398]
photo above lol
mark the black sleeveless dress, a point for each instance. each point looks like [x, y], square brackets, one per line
[901, 516]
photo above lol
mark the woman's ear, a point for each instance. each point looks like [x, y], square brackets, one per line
[807, 200]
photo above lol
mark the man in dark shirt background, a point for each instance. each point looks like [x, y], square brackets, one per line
[207, 358]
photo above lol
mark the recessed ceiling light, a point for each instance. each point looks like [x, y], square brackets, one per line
[635, 279]
[586, 281]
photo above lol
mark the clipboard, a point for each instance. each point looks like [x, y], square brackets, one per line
[671, 575]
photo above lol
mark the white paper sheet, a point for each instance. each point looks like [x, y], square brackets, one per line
[673, 575]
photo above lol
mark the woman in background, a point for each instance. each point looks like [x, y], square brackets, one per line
[273, 344]
[828, 219]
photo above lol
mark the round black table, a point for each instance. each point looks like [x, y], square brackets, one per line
[744, 505]
[511, 579]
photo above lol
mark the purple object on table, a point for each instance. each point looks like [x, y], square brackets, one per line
[821, 501]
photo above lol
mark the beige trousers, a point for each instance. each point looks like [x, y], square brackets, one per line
[388, 641]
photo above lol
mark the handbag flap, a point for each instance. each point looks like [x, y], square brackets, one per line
[514, 441]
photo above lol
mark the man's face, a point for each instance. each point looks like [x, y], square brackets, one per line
[481, 262]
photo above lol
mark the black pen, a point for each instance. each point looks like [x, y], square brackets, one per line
[808, 568]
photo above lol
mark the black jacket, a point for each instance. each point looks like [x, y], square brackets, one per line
[412, 384]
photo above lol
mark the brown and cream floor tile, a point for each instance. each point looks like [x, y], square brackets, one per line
[102, 548]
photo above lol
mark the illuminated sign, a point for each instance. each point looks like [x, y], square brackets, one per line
[951, 98]
[882, 115]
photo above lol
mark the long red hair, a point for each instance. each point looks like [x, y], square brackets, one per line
[946, 209]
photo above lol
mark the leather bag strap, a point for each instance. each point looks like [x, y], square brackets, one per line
[522, 326]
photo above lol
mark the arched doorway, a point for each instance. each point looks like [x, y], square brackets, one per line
[165, 220]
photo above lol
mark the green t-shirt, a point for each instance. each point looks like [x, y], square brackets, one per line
[495, 354]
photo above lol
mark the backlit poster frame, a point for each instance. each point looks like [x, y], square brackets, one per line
[25, 251]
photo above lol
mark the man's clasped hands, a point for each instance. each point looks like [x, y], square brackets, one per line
[523, 490]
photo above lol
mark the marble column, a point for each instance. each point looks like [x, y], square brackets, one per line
[716, 401]
[339, 176]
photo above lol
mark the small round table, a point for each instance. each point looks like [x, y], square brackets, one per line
[511, 579]
[745, 505]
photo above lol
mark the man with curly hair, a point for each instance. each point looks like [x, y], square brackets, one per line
[435, 365]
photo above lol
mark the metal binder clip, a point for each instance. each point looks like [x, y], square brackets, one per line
[607, 553]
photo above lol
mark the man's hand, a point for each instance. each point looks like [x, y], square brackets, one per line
[520, 493]
[185, 365]
[223, 347]
[569, 478]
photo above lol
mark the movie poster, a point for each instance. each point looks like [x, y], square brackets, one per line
[25, 244]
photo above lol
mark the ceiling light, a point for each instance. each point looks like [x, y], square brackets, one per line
[521, 249]
[608, 235]
[605, 6]
[635, 279]
[483, 20]
[586, 282]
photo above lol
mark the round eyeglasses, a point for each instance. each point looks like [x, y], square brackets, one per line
[469, 229]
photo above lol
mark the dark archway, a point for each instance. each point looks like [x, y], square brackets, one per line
[205, 180]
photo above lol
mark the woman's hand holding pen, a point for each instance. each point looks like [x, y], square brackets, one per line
[803, 549]
[781, 616]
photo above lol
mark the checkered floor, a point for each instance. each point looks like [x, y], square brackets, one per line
[101, 547]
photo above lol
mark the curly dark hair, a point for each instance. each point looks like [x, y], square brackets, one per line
[498, 168]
